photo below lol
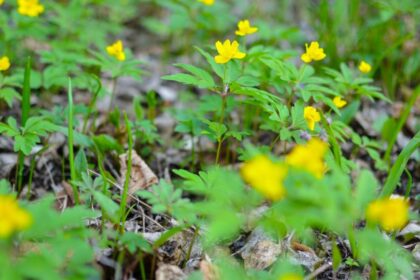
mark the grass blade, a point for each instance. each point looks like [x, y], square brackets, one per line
[399, 166]
[70, 143]
[25, 107]
[401, 123]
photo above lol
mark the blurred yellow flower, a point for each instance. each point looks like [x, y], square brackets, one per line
[4, 63]
[313, 52]
[340, 103]
[207, 2]
[31, 8]
[12, 217]
[265, 176]
[391, 213]
[1, 2]
[228, 51]
[245, 28]
[309, 157]
[312, 116]
[116, 50]
[364, 67]
[291, 276]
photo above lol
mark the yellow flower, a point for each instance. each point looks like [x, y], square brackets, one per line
[309, 157]
[291, 276]
[245, 28]
[265, 176]
[116, 50]
[313, 52]
[311, 116]
[391, 213]
[364, 67]
[340, 103]
[12, 217]
[227, 51]
[1, 2]
[4, 63]
[31, 8]
[207, 2]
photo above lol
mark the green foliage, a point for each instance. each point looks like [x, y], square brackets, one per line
[245, 107]
[25, 138]
[55, 246]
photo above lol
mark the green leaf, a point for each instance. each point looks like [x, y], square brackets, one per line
[135, 241]
[217, 68]
[205, 79]
[9, 95]
[81, 164]
[336, 255]
[366, 188]
[107, 205]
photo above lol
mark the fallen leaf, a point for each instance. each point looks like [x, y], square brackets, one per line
[141, 176]
[169, 272]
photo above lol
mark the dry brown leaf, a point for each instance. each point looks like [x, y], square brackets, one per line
[141, 176]
[169, 272]
[209, 271]
[260, 251]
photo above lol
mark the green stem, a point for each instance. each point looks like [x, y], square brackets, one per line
[26, 106]
[190, 247]
[31, 173]
[221, 120]
[113, 88]
[332, 140]
[70, 144]
[92, 103]
[192, 152]
[127, 175]
[119, 269]
[219, 148]
[142, 269]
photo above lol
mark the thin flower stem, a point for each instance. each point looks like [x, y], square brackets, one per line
[219, 147]
[221, 120]
[92, 103]
[113, 88]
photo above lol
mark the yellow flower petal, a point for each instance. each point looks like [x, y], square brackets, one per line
[239, 55]
[306, 58]
[4, 63]
[312, 116]
[227, 50]
[309, 157]
[221, 59]
[313, 52]
[265, 176]
[364, 67]
[391, 213]
[340, 103]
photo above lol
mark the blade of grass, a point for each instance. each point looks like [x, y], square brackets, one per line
[70, 143]
[127, 175]
[401, 123]
[25, 106]
[399, 166]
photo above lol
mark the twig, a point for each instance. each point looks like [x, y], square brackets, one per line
[318, 271]
[133, 197]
